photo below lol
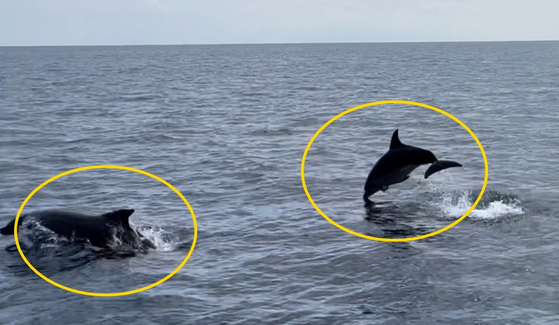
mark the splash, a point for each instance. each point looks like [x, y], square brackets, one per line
[164, 240]
[493, 205]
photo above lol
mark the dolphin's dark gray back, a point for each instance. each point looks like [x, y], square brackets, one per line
[69, 223]
[98, 229]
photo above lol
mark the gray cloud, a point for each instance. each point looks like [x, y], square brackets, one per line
[90, 22]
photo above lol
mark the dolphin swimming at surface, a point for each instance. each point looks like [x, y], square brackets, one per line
[100, 230]
[396, 165]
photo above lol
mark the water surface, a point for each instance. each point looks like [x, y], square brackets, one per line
[228, 125]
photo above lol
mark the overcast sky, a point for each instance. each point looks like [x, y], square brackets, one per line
[111, 22]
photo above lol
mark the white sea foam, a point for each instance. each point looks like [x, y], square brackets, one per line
[454, 205]
[163, 239]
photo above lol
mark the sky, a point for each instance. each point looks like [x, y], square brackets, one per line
[136, 22]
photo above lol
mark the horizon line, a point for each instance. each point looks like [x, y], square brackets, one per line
[278, 43]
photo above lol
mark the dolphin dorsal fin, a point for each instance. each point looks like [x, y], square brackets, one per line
[121, 215]
[395, 142]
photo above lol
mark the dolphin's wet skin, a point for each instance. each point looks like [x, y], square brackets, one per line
[58, 240]
[109, 235]
[395, 166]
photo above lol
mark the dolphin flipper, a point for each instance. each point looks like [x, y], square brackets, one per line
[440, 165]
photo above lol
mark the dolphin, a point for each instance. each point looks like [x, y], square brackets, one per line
[103, 230]
[396, 165]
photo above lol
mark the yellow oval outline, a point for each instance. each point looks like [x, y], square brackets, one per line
[404, 102]
[103, 294]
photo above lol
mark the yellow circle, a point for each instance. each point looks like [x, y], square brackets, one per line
[405, 102]
[112, 294]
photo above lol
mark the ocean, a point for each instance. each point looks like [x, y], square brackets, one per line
[227, 126]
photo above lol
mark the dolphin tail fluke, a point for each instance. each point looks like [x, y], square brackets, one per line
[440, 165]
[9, 228]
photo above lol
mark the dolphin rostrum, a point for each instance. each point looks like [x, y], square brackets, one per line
[396, 165]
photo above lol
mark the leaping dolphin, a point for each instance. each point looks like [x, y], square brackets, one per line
[396, 165]
[100, 230]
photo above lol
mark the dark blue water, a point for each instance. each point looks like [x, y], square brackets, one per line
[228, 125]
